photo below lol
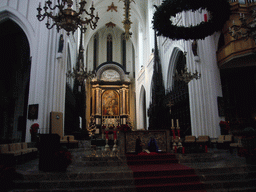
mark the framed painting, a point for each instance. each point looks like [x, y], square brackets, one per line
[110, 103]
[33, 111]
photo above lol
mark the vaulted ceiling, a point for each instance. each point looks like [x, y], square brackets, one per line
[112, 11]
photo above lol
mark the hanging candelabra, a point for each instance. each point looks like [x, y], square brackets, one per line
[67, 18]
[127, 22]
[186, 76]
[81, 73]
[245, 29]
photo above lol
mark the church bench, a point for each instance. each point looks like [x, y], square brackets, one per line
[219, 142]
[204, 141]
[17, 152]
[69, 141]
[189, 143]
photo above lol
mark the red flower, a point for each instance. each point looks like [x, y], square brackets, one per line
[34, 128]
[64, 158]
[125, 128]
[224, 124]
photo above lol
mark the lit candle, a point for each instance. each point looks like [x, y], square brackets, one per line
[177, 122]
[172, 123]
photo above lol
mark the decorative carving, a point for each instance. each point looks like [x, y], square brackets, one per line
[110, 75]
[110, 24]
[112, 7]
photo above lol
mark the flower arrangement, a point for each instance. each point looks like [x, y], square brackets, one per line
[224, 127]
[63, 159]
[34, 128]
[125, 128]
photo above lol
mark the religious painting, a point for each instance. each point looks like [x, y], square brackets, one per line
[110, 103]
[33, 112]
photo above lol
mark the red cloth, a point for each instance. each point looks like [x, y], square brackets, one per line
[115, 136]
[173, 132]
[145, 153]
[106, 132]
[205, 18]
[178, 132]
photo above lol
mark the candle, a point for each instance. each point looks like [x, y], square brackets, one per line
[177, 121]
[205, 18]
[172, 123]
[39, 4]
[240, 15]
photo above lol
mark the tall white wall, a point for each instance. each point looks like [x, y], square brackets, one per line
[48, 68]
[203, 92]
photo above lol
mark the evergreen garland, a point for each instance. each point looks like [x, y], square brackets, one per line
[219, 10]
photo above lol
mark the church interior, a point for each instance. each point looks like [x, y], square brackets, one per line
[128, 95]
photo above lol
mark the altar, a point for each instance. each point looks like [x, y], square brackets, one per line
[109, 97]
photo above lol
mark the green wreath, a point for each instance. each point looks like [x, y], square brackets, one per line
[219, 10]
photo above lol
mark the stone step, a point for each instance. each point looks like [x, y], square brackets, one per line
[228, 176]
[91, 174]
[236, 189]
[70, 184]
[87, 189]
[229, 184]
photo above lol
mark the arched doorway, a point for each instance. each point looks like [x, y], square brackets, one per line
[178, 93]
[143, 109]
[14, 84]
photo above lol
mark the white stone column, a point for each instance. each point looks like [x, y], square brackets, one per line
[203, 92]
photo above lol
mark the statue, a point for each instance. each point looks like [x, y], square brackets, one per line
[61, 44]
[194, 48]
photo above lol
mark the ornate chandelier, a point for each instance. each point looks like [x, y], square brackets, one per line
[67, 18]
[186, 76]
[81, 73]
[246, 29]
[127, 23]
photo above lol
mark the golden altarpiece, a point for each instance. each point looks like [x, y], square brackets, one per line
[109, 95]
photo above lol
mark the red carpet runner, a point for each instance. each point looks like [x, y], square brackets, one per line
[161, 172]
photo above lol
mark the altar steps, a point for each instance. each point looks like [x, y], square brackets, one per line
[218, 170]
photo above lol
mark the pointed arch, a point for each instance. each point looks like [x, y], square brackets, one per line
[142, 109]
[16, 61]
[8, 13]
[172, 67]
[109, 48]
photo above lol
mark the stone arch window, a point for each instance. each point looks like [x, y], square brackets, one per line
[143, 109]
[109, 48]
[69, 79]
[95, 51]
[123, 50]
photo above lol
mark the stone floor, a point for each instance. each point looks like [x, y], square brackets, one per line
[97, 164]
[82, 161]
